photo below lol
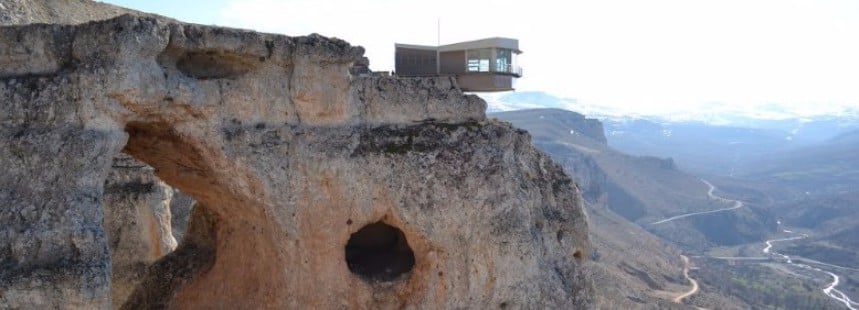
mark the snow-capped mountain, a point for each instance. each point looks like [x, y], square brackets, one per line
[711, 140]
[766, 115]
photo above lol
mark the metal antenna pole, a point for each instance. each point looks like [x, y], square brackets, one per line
[437, 47]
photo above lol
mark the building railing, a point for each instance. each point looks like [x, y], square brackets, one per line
[510, 69]
[516, 70]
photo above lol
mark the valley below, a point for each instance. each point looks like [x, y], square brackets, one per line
[736, 205]
[790, 265]
[793, 262]
[750, 241]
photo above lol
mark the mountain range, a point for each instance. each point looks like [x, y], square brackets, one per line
[642, 178]
[709, 143]
[765, 116]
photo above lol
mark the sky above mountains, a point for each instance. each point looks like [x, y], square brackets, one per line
[661, 56]
[713, 113]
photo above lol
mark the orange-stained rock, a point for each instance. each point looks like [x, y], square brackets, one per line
[136, 223]
[288, 155]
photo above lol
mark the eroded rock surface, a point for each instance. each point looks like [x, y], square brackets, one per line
[137, 223]
[18, 12]
[287, 155]
[180, 212]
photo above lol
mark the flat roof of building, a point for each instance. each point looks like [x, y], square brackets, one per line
[498, 42]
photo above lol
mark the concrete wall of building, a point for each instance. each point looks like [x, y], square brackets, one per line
[453, 62]
[485, 82]
[415, 62]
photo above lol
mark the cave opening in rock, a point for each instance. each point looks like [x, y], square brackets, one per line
[379, 252]
[145, 216]
[152, 145]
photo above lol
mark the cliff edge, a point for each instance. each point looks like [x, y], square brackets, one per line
[315, 188]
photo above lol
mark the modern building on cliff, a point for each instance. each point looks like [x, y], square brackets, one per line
[479, 66]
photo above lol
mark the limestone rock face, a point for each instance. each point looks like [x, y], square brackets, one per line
[17, 12]
[137, 223]
[289, 157]
[180, 211]
[589, 127]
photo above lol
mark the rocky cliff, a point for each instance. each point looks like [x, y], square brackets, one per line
[315, 188]
[19, 12]
[137, 221]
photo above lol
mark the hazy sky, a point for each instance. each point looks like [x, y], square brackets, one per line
[655, 55]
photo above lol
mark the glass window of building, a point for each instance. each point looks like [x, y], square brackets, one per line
[503, 60]
[478, 60]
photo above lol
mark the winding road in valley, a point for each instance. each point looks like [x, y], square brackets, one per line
[679, 298]
[836, 294]
[769, 243]
[737, 204]
[830, 289]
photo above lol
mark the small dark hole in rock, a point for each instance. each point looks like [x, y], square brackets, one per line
[379, 252]
[578, 255]
[503, 305]
[560, 236]
[349, 222]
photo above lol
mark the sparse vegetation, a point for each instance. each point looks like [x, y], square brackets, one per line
[761, 287]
